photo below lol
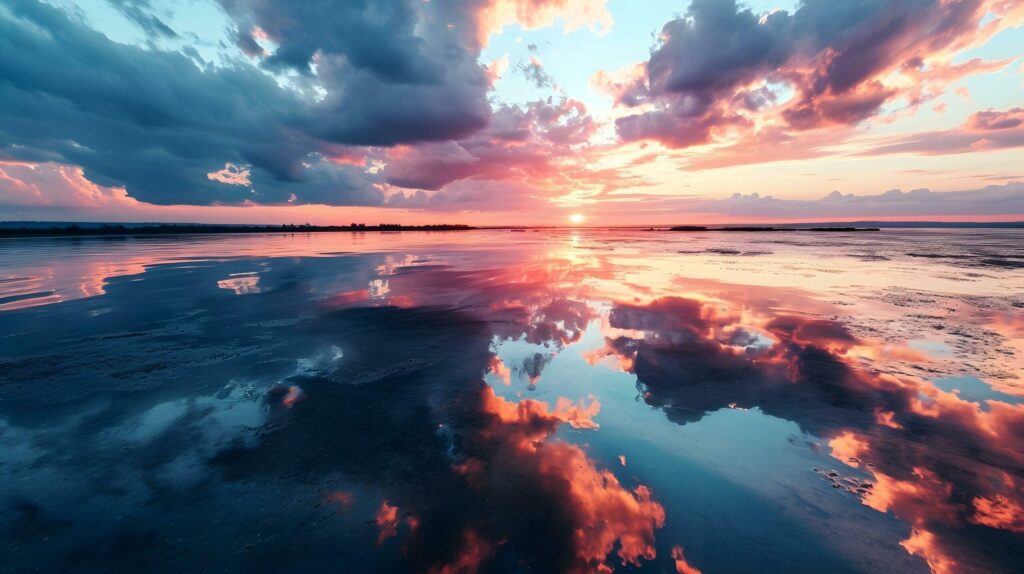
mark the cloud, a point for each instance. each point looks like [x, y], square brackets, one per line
[682, 565]
[771, 143]
[724, 71]
[530, 143]
[993, 200]
[154, 122]
[995, 120]
[493, 15]
[141, 13]
[395, 72]
[332, 79]
[231, 174]
[387, 103]
[529, 154]
[533, 69]
[55, 186]
[985, 130]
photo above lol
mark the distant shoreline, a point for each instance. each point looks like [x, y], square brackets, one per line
[107, 230]
[15, 229]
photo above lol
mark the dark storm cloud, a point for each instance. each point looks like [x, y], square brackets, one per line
[157, 122]
[141, 13]
[153, 121]
[718, 46]
[373, 35]
[364, 110]
[832, 55]
[394, 72]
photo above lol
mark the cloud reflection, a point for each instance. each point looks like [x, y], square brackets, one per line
[941, 463]
[459, 420]
[947, 466]
[470, 472]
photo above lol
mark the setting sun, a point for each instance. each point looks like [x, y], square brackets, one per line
[576, 218]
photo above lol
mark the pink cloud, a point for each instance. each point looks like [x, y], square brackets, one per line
[231, 174]
[984, 131]
[494, 15]
[535, 143]
[55, 186]
[992, 203]
[716, 73]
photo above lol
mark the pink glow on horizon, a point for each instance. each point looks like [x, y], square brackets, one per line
[334, 215]
[31, 189]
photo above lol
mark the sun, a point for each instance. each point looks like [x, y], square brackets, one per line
[576, 218]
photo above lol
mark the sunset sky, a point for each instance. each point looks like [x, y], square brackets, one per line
[491, 112]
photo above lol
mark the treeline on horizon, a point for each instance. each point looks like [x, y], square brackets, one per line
[178, 228]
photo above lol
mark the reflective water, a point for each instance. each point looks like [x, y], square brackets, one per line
[564, 401]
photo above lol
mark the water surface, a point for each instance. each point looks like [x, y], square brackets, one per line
[547, 401]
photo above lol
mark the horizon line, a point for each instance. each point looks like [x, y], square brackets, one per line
[11, 224]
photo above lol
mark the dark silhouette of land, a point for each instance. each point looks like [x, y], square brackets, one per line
[68, 228]
[38, 230]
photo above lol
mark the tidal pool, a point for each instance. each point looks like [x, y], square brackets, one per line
[547, 401]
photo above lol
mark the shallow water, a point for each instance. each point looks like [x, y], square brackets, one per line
[544, 401]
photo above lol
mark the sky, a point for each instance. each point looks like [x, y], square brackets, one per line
[511, 112]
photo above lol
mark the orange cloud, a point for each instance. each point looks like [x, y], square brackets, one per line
[387, 521]
[474, 551]
[924, 544]
[498, 369]
[492, 16]
[999, 512]
[682, 566]
[605, 516]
